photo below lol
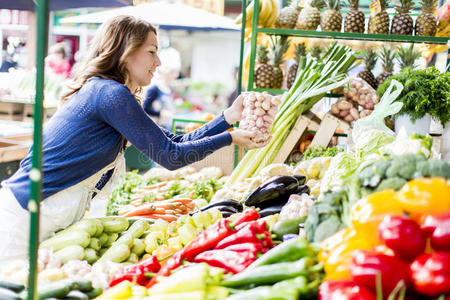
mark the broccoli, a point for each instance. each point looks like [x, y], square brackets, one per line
[394, 183]
[433, 168]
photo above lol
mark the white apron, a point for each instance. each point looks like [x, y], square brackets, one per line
[56, 212]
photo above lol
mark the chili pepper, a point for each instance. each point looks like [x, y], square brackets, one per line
[344, 290]
[439, 229]
[205, 240]
[136, 272]
[430, 273]
[252, 247]
[231, 261]
[403, 235]
[425, 196]
[253, 232]
[290, 250]
[250, 214]
[367, 265]
[271, 273]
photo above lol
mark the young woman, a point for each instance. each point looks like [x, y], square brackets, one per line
[83, 142]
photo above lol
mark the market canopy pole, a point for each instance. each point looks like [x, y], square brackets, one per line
[36, 169]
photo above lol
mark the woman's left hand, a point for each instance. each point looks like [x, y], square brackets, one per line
[233, 113]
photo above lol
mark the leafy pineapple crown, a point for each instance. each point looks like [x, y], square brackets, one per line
[387, 58]
[262, 54]
[428, 6]
[279, 47]
[384, 4]
[317, 3]
[407, 57]
[405, 6]
[300, 50]
[370, 59]
[315, 51]
[333, 4]
[295, 4]
[353, 4]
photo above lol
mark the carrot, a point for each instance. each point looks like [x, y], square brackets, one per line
[143, 210]
[154, 186]
[168, 218]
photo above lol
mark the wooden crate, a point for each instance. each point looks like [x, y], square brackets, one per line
[13, 150]
[11, 111]
[327, 128]
[222, 158]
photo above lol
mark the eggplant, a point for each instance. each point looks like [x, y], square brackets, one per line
[224, 208]
[271, 210]
[300, 178]
[274, 202]
[276, 187]
[226, 214]
[301, 189]
[225, 202]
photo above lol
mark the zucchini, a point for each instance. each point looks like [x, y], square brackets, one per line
[138, 228]
[94, 293]
[103, 238]
[6, 294]
[117, 253]
[114, 224]
[138, 247]
[15, 287]
[76, 295]
[82, 285]
[67, 238]
[99, 228]
[95, 244]
[102, 251]
[73, 252]
[90, 255]
[111, 239]
[126, 239]
[87, 225]
[134, 258]
[57, 289]
[281, 228]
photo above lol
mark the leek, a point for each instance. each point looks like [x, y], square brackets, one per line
[314, 79]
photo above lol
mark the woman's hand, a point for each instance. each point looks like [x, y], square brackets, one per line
[244, 138]
[233, 113]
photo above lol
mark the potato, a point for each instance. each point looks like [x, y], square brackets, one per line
[348, 118]
[257, 104]
[344, 105]
[259, 122]
[266, 105]
[354, 113]
[259, 112]
[344, 113]
[334, 109]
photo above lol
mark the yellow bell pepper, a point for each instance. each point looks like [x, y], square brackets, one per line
[122, 290]
[336, 252]
[425, 196]
[368, 212]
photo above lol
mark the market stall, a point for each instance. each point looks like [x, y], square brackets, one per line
[308, 216]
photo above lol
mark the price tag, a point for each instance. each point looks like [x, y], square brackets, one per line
[375, 7]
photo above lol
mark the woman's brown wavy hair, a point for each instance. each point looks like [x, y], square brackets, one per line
[113, 43]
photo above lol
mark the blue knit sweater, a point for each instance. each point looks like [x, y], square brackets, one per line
[89, 130]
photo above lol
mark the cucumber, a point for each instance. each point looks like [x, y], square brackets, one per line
[111, 239]
[57, 289]
[281, 228]
[95, 244]
[82, 285]
[99, 228]
[138, 247]
[76, 295]
[103, 238]
[90, 255]
[67, 238]
[68, 253]
[117, 253]
[94, 293]
[114, 224]
[15, 287]
[6, 294]
[134, 258]
[138, 228]
[88, 225]
[126, 239]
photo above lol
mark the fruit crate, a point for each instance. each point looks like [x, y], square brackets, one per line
[226, 158]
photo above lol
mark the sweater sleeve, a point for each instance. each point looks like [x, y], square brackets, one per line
[214, 127]
[119, 108]
[150, 97]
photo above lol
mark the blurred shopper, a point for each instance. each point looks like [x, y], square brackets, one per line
[83, 142]
[56, 61]
[159, 98]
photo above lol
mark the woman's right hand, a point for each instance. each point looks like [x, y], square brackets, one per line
[243, 138]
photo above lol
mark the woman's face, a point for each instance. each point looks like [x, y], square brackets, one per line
[142, 64]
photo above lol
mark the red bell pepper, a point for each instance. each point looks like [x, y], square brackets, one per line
[430, 273]
[403, 235]
[136, 272]
[229, 260]
[367, 265]
[204, 241]
[252, 232]
[344, 290]
[439, 229]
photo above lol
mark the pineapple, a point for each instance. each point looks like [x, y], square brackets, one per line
[370, 59]
[402, 23]
[300, 51]
[279, 47]
[354, 20]
[315, 52]
[407, 57]
[288, 15]
[426, 22]
[331, 20]
[379, 23]
[387, 59]
[309, 16]
[263, 72]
